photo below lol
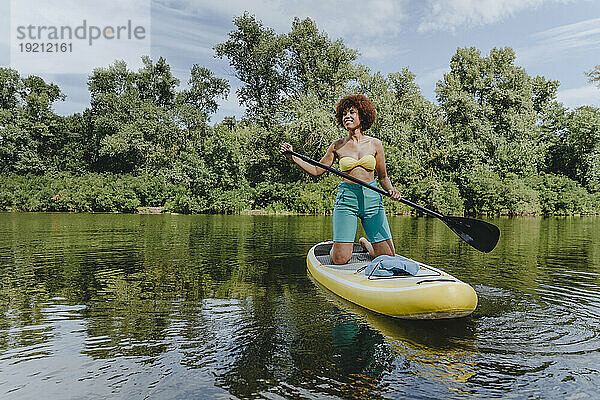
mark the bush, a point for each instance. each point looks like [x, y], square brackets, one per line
[85, 193]
[230, 201]
[559, 195]
[481, 190]
[439, 195]
[518, 198]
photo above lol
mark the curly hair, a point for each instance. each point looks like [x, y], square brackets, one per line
[366, 110]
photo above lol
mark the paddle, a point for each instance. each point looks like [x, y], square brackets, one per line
[479, 234]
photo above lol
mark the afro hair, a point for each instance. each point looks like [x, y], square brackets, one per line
[366, 110]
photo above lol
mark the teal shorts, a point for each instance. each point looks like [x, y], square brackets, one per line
[356, 201]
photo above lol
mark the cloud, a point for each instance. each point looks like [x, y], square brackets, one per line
[372, 18]
[363, 25]
[448, 15]
[548, 43]
[581, 34]
[184, 39]
[582, 96]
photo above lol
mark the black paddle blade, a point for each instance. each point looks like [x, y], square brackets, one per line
[479, 234]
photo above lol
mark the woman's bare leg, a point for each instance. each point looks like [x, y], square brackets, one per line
[385, 247]
[341, 252]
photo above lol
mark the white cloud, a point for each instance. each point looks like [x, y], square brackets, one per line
[549, 43]
[447, 15]
[176, 34]
[380, 51]
[366, 25]
[343, 18]
[581, 34]
[582, 96]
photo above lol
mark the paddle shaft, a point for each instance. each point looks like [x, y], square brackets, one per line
[365, 184]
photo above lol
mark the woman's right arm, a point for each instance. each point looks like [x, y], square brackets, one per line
[327, 159]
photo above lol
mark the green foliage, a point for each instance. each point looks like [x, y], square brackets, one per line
[560, 195]
[574, 149]
[204, 91]
[306, 196]
[256, 53]
[275, 68]
[518, 198]
[436, 194]
[64, 192]
[492, 108]
[594, 75]
[315, 65]
[487, 193]
[481, 188]
[11, 89]
[498, 143]
[312, 126]
[32, 137]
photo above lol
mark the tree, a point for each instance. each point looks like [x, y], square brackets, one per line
[11, 88]
[33, 136]
[575, 144]
[594, 75]
[205, 89]
[275, 68]
[155, 83]
[314, 64]
[257, 55]
[139, 122]
[493, 107]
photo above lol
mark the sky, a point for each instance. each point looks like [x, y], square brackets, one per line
[558, 39]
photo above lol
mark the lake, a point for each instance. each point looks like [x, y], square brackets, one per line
[99, 306]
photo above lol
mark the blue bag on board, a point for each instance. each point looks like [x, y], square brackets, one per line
[391, 265]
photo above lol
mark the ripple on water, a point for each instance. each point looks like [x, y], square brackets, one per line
[534, 340]
[532, 325]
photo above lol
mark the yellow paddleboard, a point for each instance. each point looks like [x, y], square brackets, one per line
[431, 294]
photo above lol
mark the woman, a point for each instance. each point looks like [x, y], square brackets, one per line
[360, 156]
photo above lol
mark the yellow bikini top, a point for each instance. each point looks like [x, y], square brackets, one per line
[367, 162]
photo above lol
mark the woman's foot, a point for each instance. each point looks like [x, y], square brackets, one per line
[385, 247]
[367, 246]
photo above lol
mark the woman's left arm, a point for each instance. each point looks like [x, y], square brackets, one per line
[382, 171]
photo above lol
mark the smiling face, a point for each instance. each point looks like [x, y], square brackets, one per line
[351, 119]
[357, 108]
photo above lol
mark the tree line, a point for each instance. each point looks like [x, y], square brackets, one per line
[496, 142]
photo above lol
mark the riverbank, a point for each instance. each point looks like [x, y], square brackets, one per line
[153, 194]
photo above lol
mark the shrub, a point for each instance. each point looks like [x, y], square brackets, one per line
[518, 198]
[559, 195]
[439, 195]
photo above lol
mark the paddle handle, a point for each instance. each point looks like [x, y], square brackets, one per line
[365, 184]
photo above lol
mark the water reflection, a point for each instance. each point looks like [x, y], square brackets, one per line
[441, 351]
[217, 306]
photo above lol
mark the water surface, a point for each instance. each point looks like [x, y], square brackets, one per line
[101, 306]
